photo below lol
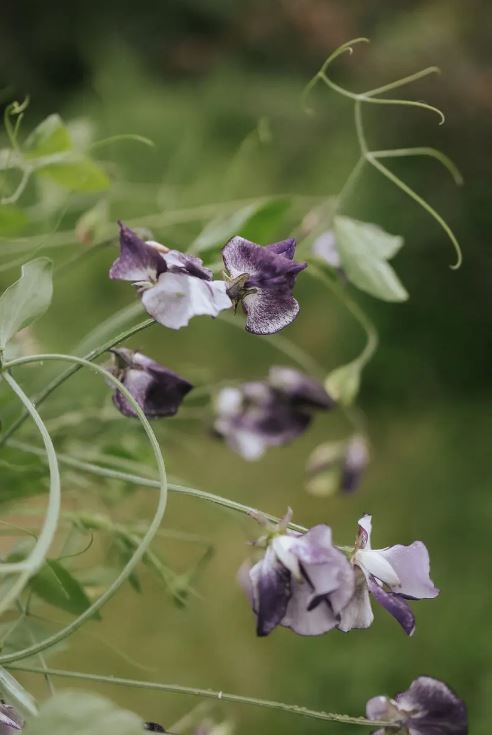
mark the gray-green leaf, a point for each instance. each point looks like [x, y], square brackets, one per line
[26, 299]
[76, 173]
[364, 249]
[54, 584]
[82, 713]
[343, 383]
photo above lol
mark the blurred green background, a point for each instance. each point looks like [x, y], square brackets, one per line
[197, 78]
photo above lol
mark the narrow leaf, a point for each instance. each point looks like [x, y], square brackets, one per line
[54, 584]
[26, 299]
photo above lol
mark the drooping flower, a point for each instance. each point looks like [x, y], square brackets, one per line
[392, 575]
[261, 279]
[302, 582]
[337, 466]
[173, 286]
[257, 415]
[157, 390]
[10, 720]
[428, 707]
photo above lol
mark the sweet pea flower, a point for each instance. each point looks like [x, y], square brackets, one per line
[337, 466]
[257, 415]
[391, 575]
[428, 707]
[173, 286]
[261, 279]
[302, 582]
[157, 390]
[154, 727]
[10, 720]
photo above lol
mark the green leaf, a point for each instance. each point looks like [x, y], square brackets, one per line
[26, 299]
[364, 249]
[257, 221]
[16, 695]
[49, 137]
[54, 584]
[12, 220]
[83, 713]
[343, 383]
[75, 173]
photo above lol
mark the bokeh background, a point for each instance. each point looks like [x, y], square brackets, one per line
[198, 78]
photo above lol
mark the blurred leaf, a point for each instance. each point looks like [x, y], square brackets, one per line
[92, 223]
[49, 137]
[15, 694]
[256, 220]
[26, 299]
[20, 634]
[76, 174]
[343, 383]
[12, 220]
[364, 249]
[81, 713]
[54, 584]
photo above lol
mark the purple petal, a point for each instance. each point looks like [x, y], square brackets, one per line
[303, 620]
[411, 564]
[355, 462]
[434, 708]
[10, 719]
[269, 311]
[271, 583]
[188, 264]
[286, 248]
[299, 388]
[394, 604]
[137, 261]
[266, 268]
[357, 613]
[382, 708]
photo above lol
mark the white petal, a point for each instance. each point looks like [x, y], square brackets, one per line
[228, 401]
[282, 545]
[374, 563]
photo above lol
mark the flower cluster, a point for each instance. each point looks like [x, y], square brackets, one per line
[175, 286]
[305, 583]
[255, 416]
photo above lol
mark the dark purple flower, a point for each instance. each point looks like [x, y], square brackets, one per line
[303, 582]
[262, 279]
[157, 390]
[255, 416]
[428, 707]
[154, 727]
[392, 575]
[10, 720]
[173, 286]
[337, 466]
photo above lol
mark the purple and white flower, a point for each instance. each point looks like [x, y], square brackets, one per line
[392, 575]
[337, 466]
[302, 582]
[10, 720]
[428, 707]
[157, 390]
[255, 416]
[261, 279]
[173, 286]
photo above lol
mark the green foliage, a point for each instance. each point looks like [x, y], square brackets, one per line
[343, 383]
[76, 173]
[82, 713]
[13, 220]
[49, 137]
[364, 249]
[57, 586]
[26, 299]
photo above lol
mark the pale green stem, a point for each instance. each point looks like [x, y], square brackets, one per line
[349, 183]
[60, 379]
[404, 81]
[146, 539]
[101, 471]
[29, 566]
[210, 694]
[423, 151]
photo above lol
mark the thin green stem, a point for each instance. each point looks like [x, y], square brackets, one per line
[133, 479]
[62, 377]
[423, 151]
[404, 81]
[349, 183]
[35, 559]
[210, 694]
[417, 198]
[146, 539]
[359, 129]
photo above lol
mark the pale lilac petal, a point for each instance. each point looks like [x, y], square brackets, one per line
[364, 532]
[269, 311]
[137, 261]
[395, 605]
[373, 562]
[412, 565]
[324, 247]
[271, 583]
[287, 248]
[299, 388]
[175, 299]
[433, 708]
[307, 621]
[190, 265]
[357, 613]
[354, 463]
[10, 720]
